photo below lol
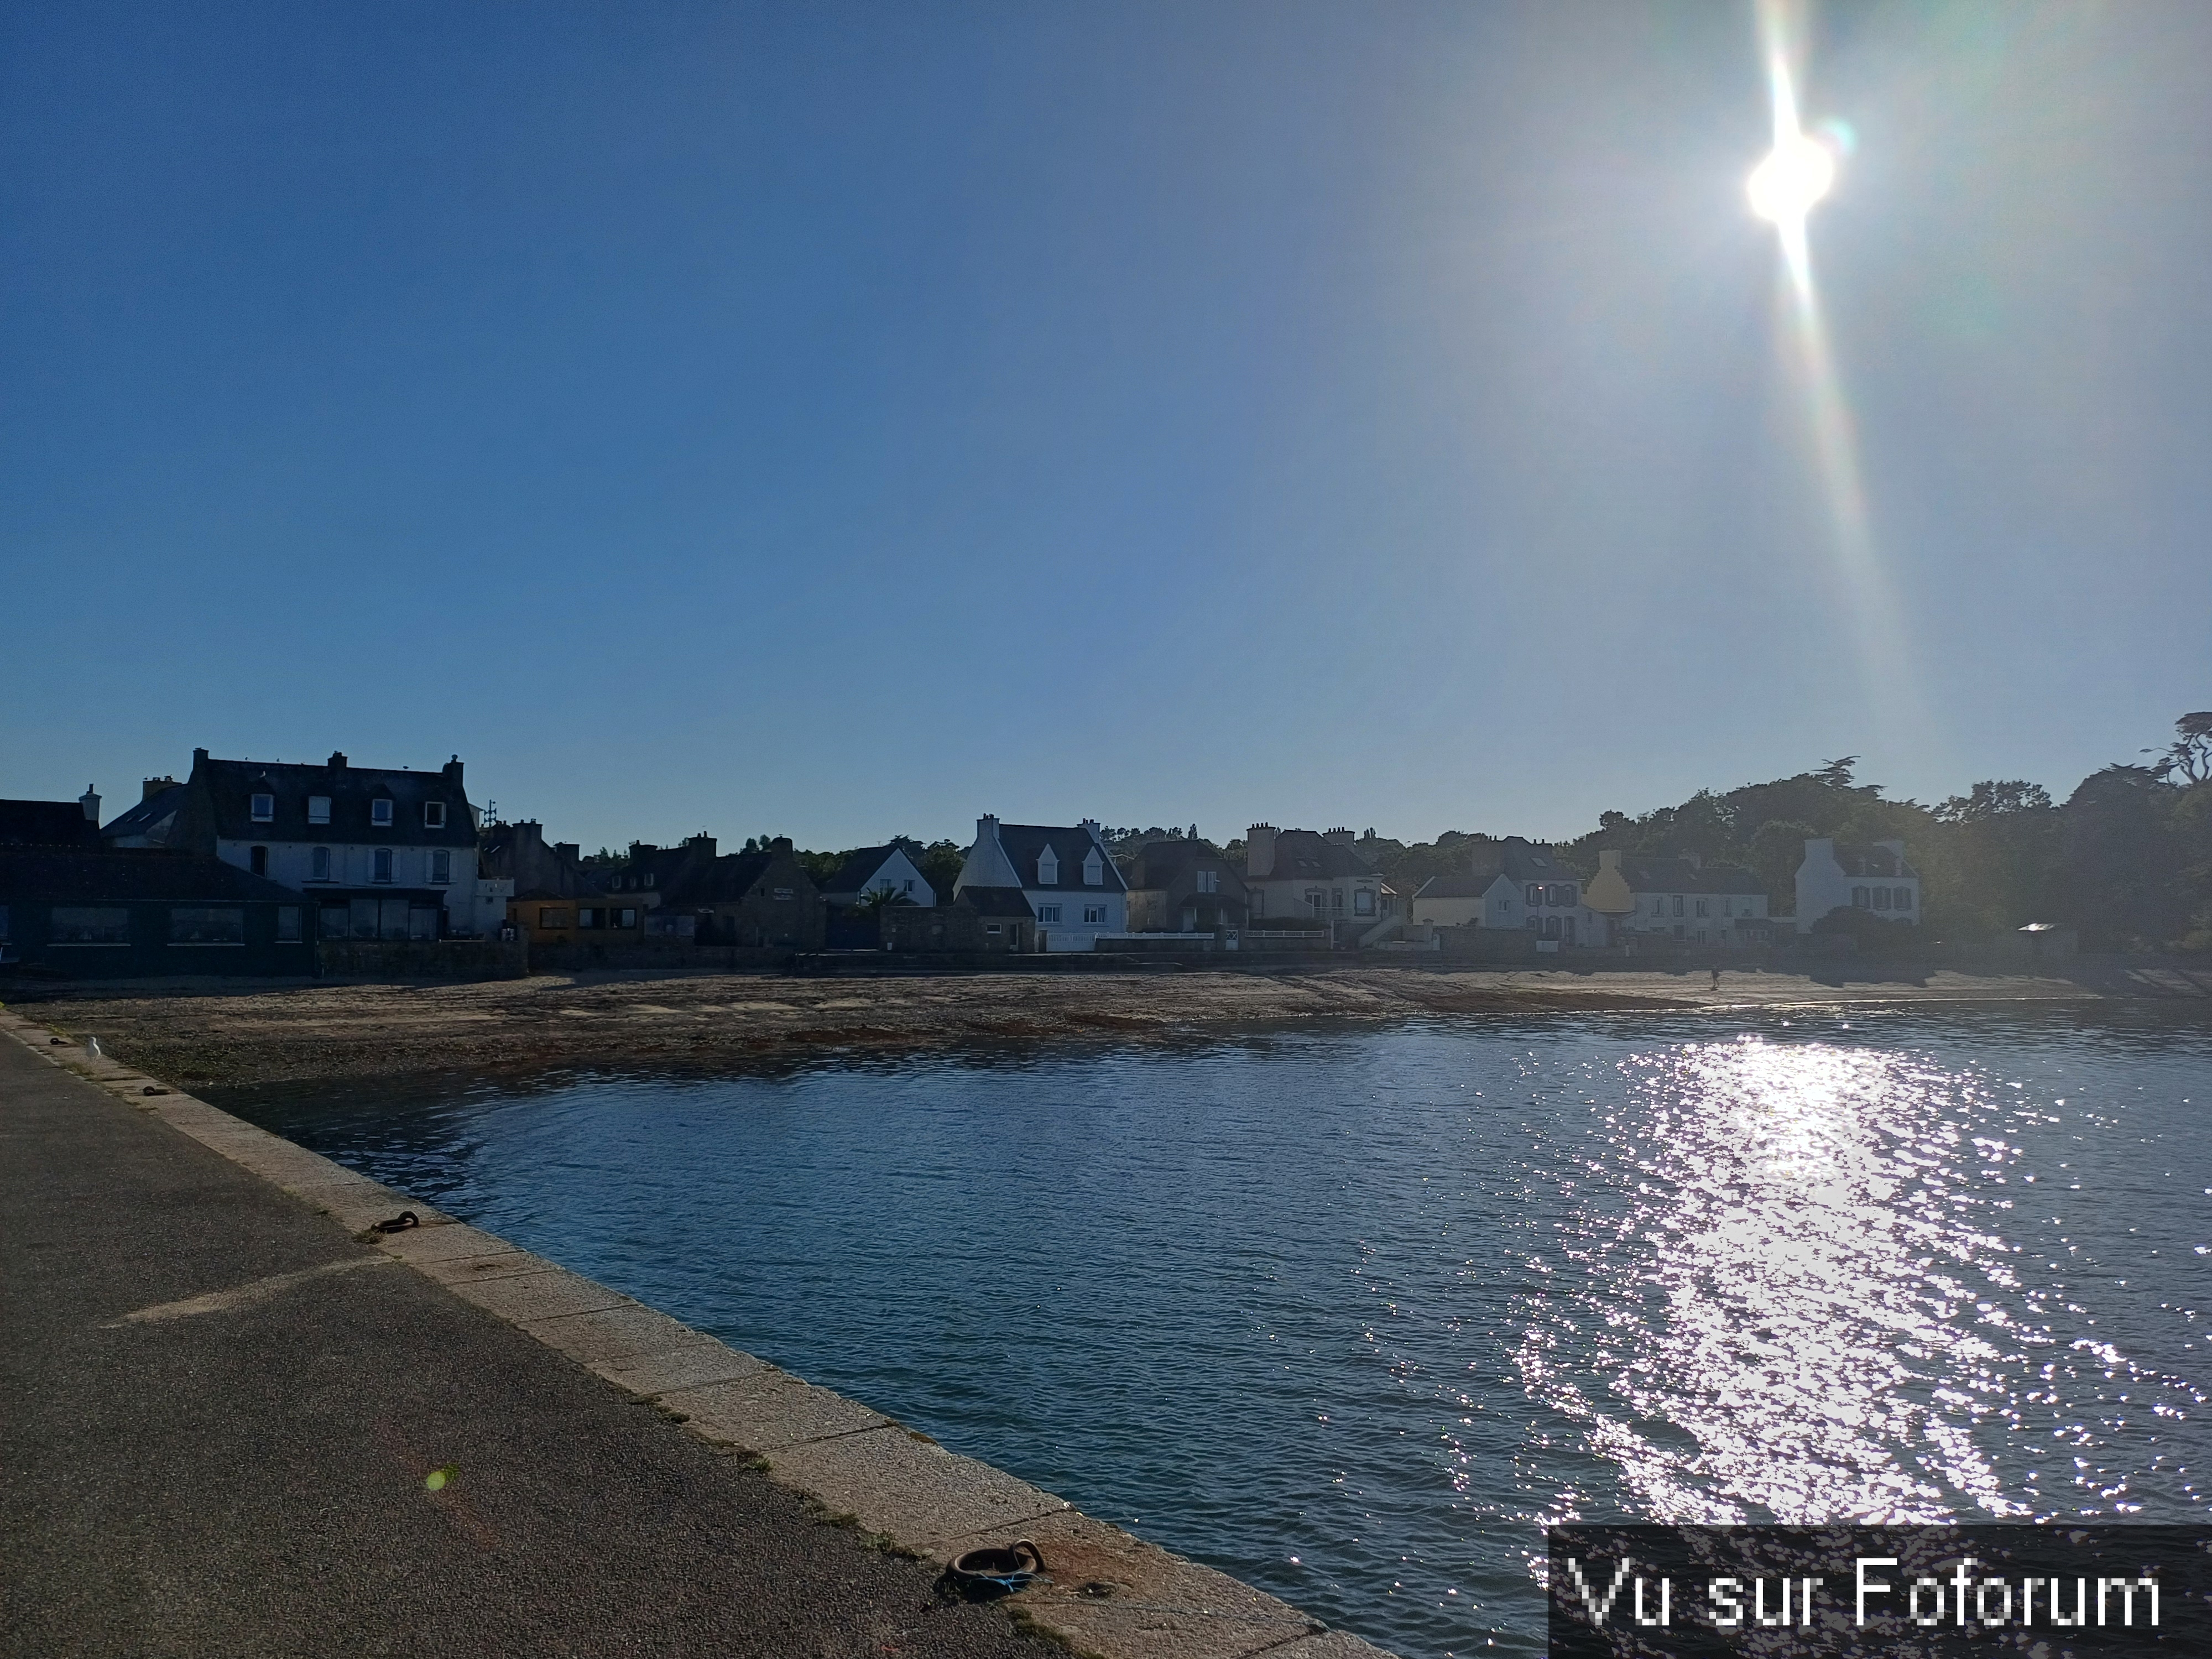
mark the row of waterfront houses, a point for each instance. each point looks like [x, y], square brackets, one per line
[246, 866]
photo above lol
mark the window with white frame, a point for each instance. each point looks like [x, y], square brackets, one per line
[1048, 913]
[1535, 896]
[379, 811]
[1209, 881]
[1047, 868]
[433, 815]
[1317, 900]
[264, 809]
[380, 865]
[319, 863]
[441, 867]
[1362, 902]
[1678, 904]
[1861, 898]
[318, 809]
[1095, 915]
[1704, 906]
[1094, 872]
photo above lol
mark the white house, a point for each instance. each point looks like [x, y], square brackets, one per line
[1511, 884]
[386, 853]
[1874, 878]
[1064, 871]
[888, 870]
[1682, 898]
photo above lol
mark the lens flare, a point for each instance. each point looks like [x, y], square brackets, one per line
[1784, 189]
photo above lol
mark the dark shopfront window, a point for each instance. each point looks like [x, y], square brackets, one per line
[388, 919]
[201, 924]
[82, 924]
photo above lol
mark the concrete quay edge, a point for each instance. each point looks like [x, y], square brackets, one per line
[1110, 1594]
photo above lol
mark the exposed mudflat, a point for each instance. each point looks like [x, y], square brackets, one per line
[243, 1034]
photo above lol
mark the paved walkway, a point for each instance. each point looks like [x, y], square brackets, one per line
[242, 1471]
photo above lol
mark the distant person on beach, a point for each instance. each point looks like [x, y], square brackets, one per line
[1716, 977]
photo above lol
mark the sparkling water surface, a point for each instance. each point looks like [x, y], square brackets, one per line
[1352, 1313]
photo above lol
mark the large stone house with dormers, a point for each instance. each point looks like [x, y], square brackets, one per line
[381, 853]
[1303, 875]
[1063, 872]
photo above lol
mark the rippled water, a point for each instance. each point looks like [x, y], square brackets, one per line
[1350, 1314]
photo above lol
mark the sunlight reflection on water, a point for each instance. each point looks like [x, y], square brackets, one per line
[1789, 1295]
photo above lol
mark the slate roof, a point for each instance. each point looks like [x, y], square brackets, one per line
[46, 823]
[1465, 883]
[151, 817]
[65, 877]
[1305, 855]
[1163, 863]
[724, 881]
[221, 791]
[1681, 876]
[656, 869]
[998, 902]
[1071, 845]
[1871, 860]
[1517, 859]
[859, 868]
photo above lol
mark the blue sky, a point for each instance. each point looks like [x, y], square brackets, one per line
[844, 420]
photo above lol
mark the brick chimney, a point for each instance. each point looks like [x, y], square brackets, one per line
[336, 763]
[1260, 850]
[452, 771]
[1338, 837]
[987, 827]
[153, 786]
[90, 801]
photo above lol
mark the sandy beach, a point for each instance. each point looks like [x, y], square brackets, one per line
[278, 1034]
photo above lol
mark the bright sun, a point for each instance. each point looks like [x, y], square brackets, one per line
[1784, 186]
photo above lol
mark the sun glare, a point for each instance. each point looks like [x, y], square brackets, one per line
[1798, 173]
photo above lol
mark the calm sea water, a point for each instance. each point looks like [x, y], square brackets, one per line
[1351, 1314]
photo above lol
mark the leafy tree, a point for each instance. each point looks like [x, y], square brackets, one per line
[2189, 755]
[1777, 847]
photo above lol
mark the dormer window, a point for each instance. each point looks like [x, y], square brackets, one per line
[318, 809]
[433, 815]
[1094, 873]
[264, 809]
[1048, 869]
[379, 811]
